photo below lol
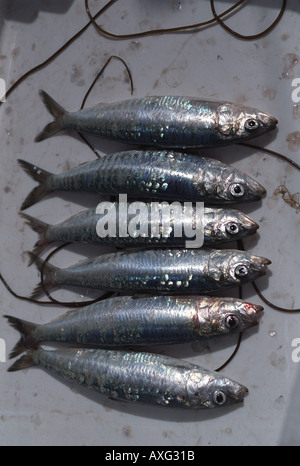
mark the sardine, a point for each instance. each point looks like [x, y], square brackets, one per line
[165, 121]
[218, 225]
[146, 378]
[152, 175]
[158, 271]
[127, 320]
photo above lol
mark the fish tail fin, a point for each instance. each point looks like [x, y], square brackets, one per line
[41, 228]
[57, 112]
[23, 362]
[49, 272]
[39, 175]
[26, 330]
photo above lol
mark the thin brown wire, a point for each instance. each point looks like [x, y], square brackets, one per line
[260, 294]
[52, 301]
[253, 36]
[91, 87]
[54, 55]
[151, 32]
[233, 353]
[272, 152]
[67, 303]
[238, 341]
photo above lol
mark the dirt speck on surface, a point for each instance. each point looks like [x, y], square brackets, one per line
[293, 140]
[290, 61]
[290, 199]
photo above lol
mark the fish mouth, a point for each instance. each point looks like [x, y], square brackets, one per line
[266, 262]
[258, 309]
[253, 312]
[241, 392]
[251, 225]
[260, 263]
[248, 227]
[237, 392]
[273, 122]
[258, 190]
[268, 121]
[248, 223]
[263, 190]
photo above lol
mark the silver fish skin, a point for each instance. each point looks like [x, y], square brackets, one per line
[219, 226]
[149, 174]
[164, 121]
[136, 377]
[128, 320]
[157, 271]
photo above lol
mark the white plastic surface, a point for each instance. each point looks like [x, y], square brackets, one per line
[37, 408]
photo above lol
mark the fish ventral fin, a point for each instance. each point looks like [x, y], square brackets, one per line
[57, 112]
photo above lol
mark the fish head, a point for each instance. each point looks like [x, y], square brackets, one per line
[229, 224]
[236, 186]
[243, 267]
[210, 390]
[221, 316]
[243, 316]
[237, 123]
[225, 391]
[238, 225]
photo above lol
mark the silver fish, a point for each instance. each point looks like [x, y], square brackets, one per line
[164, 121]
[127, 320]
[219, 226]
[151, 175]
[146, 378]
[158, 271]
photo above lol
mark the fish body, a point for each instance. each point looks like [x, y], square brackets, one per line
[217, 225]
[127, 320]
[164, 121]
[149, 174]
[145, 378]
[162, 271]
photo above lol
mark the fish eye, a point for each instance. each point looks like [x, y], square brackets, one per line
[240, 270]
[251, 124]
[232, 228]
[219, 397]
[237, 189]
[232, 321]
